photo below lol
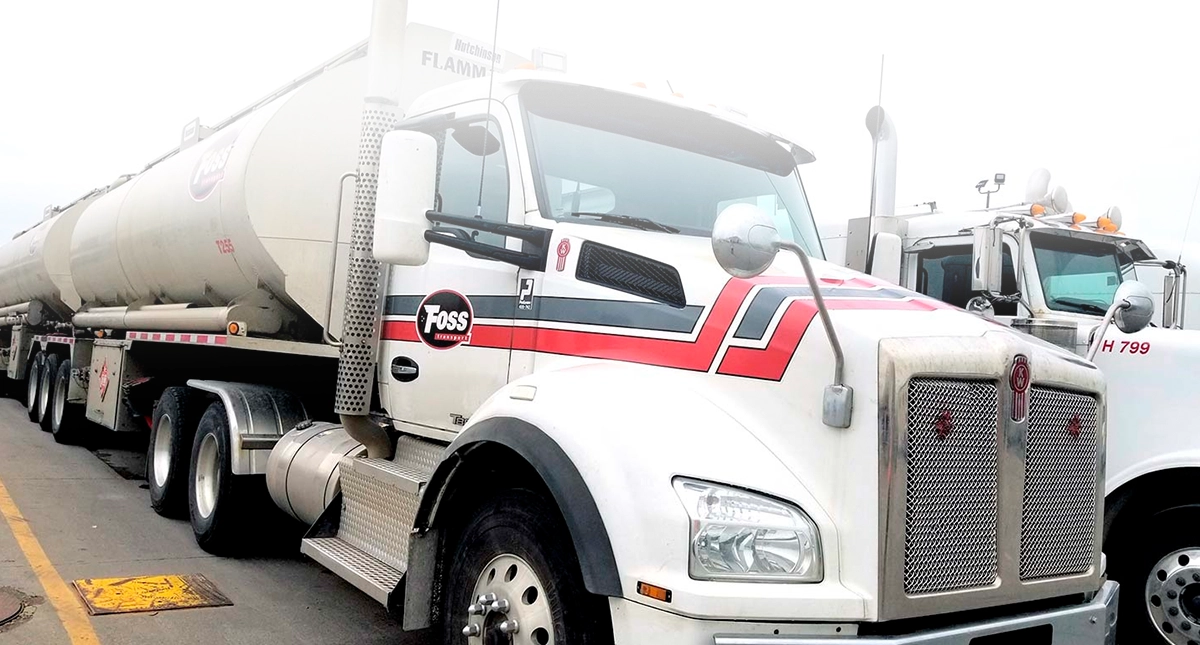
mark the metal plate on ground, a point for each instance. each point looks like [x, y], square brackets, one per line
[10, 606]
[148, 593]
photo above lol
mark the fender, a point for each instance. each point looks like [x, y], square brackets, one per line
[561, 477]
[610, 462]
[1179, 460]
[258, 416]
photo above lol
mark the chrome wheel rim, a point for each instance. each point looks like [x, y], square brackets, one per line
[509, 605]
[31, 391]
[1173, 596]
[162, 451]
[207, 476]
[59, 409]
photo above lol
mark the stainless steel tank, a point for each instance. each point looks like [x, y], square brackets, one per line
[254, 204]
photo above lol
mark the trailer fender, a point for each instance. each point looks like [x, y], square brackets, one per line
[258, 416]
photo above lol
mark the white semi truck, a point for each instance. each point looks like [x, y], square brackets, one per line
[1042, 268]
[572, 395]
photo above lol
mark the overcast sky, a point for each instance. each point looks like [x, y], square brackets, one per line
[1101, 94]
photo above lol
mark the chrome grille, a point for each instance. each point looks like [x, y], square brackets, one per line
[950, 519]
[1058, 514]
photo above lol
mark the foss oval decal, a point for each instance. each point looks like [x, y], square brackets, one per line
[210, 168]
[444, 320]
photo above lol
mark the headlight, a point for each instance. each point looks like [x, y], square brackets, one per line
[738, 535]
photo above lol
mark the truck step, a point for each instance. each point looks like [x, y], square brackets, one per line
[370, 575]
[380, 499]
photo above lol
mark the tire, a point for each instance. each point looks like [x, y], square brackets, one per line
[1159, 549]
[168, 456]
[66, 419]
[33, 379]
[219, 502]
[517, 546]
[49, 372]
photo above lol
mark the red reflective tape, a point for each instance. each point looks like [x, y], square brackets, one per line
[202, 338]
[771, 361]
[221, 340]
[170, 338]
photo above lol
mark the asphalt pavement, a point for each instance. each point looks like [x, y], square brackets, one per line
[85, 510]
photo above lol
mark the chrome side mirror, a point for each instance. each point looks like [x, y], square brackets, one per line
[1131, 310]
[745, 241]
[1138, 310]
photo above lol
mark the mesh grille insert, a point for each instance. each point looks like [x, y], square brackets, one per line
[631, 273]
[1058, 514]
[950, 519]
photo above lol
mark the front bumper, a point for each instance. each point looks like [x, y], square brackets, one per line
[1092, 623]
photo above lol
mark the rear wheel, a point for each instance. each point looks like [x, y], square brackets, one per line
[49, 372]
[219, 502]
[66, 419]
[32, 380]
[167, 457]
[512, 574]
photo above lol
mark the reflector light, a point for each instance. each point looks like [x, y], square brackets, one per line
[651, 591]
[1078, 218]
[1037, 210]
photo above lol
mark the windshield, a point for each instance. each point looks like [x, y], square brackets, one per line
[598, 152]
[1077, 275]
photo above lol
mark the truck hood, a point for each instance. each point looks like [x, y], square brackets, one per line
[771, 362]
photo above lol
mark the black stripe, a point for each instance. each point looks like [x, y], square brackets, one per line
[766, 302]
[650, 316]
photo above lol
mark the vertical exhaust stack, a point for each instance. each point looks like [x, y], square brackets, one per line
[883, 171]
[365, 277]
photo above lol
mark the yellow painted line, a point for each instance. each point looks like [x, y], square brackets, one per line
[148, 593]
[66, 604]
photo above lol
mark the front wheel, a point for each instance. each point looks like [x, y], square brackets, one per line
[513, 574]
[1159, 570]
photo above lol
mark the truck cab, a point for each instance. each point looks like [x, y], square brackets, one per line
[1042, 268]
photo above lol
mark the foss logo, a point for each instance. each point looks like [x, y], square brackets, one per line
[444, 320]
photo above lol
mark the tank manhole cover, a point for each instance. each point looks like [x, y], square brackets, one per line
[10, 606]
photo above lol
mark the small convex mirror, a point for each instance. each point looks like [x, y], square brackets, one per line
[744, 240]
[1134, 317]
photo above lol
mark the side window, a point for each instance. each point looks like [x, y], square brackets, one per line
[945, 273]
[467, 153]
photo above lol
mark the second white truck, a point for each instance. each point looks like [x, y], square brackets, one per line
[1044, 269]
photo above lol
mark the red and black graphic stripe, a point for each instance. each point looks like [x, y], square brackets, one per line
[698, 354]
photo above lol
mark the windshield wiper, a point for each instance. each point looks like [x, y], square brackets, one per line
[630, 221]
[1082, 305]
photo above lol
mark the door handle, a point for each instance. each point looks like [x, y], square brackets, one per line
[405, 369]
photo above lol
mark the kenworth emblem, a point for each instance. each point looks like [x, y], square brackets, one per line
[1018, 380]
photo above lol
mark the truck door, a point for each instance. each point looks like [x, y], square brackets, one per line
[447, 324]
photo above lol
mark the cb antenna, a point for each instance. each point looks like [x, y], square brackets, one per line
[487, 124]
[1191, 216]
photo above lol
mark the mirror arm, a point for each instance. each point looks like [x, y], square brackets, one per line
[1108, 316]
[838, 403]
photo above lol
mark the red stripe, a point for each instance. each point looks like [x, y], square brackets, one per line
[221, 340]
[771, 361]
[766, 363]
